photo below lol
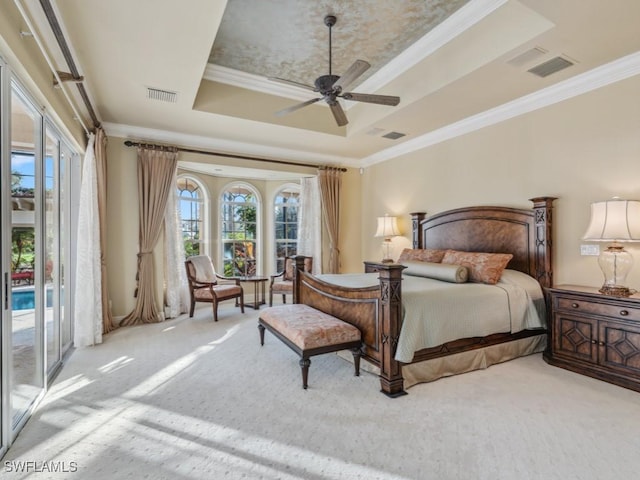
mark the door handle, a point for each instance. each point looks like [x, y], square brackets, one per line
[6, 291]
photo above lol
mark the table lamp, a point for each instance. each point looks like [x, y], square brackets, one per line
[615, 221]
[387, 228]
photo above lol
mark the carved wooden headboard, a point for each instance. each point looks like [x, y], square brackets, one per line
[525, 233]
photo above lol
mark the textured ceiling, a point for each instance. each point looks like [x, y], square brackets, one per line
[288, 38]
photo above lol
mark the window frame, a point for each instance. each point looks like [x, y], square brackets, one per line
[276, 240]
[205, 233]
[258, 251]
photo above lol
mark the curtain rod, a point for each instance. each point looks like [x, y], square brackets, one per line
[49, 12]
[129, 143]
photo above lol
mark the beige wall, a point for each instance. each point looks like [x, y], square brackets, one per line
[122, 225]
[122, 218]
[350, 224]
[30, 67]
[581, 150]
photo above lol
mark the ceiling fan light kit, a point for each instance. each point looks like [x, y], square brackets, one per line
[331, 87]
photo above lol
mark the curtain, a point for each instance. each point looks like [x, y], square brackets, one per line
[330, 181]
[88, 295]
[100, 150]
[156, 170]
[309, 228]
[176, 294]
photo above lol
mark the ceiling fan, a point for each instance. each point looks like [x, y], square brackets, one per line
[331, 87]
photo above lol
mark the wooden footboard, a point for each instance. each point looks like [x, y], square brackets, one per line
[376, 311]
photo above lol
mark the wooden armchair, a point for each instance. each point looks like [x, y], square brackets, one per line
[205, 285]
[282, 283]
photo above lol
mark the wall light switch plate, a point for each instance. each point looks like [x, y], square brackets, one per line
[589, 249]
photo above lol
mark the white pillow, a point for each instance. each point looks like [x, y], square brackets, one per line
[437, 271]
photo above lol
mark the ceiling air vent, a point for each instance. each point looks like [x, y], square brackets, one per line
[394, 135]
[374, 132]
[550, 66]
[162, 95]
[527, 57]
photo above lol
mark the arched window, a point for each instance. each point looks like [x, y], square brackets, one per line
[239, 230]
[192, 214]
[285, 209]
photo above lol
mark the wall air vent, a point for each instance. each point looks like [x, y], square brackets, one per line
[394, 135]
[550, 66]
[162, 95]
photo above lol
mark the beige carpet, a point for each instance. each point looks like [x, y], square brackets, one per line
[192, 399]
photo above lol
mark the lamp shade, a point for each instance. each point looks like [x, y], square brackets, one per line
[614, 221]
[387, 227]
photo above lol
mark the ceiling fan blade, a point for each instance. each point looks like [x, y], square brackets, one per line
[338, 114]
[354, 71]
[291, 82]
[369, 98]
[297, 106]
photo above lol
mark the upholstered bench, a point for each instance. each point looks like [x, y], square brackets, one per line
[310, 332]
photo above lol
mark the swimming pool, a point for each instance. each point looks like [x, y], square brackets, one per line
[24, 298]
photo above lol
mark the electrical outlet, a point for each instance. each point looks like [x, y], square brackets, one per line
[589, 249]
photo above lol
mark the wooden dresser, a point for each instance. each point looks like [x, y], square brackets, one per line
[595, 334]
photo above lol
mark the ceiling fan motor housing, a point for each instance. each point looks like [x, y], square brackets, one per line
[324, 83]
[330, 20]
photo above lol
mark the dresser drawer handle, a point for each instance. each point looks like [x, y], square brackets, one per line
[575, 305]
[624, 313]
[601, 344]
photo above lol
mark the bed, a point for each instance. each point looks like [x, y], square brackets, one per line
[377, 310]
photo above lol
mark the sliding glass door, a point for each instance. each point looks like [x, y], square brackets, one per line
[26, 377]
[35, 253]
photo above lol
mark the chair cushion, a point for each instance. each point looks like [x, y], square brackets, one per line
[307, 327]
[204, 271]
[222, 293]
[285, 286]
[289, 265]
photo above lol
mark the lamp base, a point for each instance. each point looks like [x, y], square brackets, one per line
[387, 260]
[616, 291]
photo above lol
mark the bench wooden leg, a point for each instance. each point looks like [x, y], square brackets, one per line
[304, 364]
[357, 353]
[261, 328]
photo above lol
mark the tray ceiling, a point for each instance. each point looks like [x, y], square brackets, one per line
[457, 66]
[288, 38]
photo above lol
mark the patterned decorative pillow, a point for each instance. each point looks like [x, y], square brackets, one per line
[483, 267]
[421, 255]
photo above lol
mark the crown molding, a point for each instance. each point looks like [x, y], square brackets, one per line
[258, 83]
[224, 145]
[463, 19]
[598, 77]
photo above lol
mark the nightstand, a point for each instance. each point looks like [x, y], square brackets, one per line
[595, 334]
[371, 267]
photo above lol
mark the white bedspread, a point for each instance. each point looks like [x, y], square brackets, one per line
[436, 312]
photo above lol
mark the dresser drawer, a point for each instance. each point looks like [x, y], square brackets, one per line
[573, 305]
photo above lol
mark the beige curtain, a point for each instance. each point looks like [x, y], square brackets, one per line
[330, 180]
[156, 168]
[100, 151]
